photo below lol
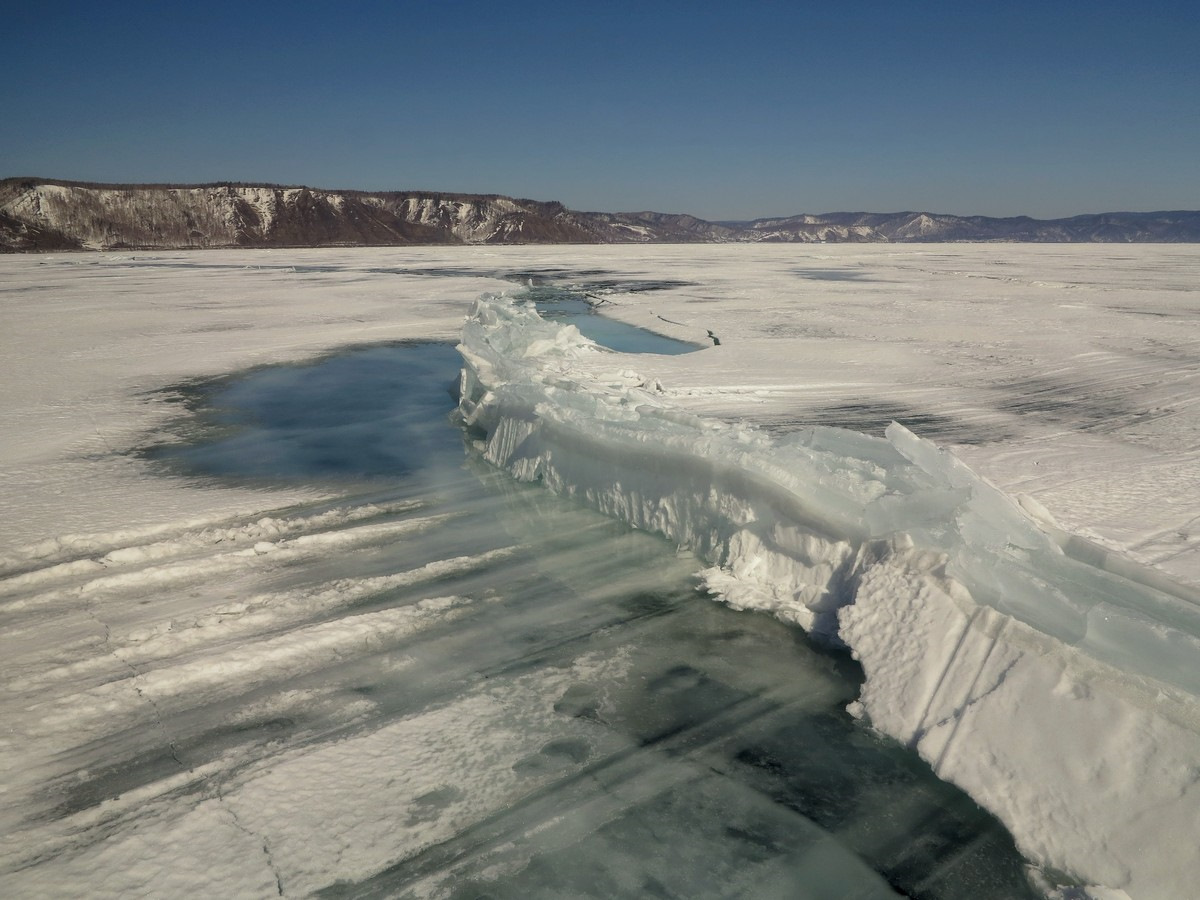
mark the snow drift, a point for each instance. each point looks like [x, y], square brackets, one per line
[1055, 685]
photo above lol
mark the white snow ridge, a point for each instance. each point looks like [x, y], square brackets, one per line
[1057, 687]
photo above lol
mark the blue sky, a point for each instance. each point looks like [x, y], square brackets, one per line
[726, 111]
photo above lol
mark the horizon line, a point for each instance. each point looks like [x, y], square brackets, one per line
[170, 185]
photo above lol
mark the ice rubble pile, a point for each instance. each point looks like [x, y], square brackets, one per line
[1056, 687]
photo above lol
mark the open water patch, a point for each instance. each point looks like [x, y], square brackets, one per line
[572, 308]
[368, 413]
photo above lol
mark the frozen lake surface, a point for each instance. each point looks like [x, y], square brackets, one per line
[337, 653]
[716, 759]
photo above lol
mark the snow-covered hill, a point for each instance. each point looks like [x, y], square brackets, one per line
[55, 214]
[1166, 227]
[40, 214]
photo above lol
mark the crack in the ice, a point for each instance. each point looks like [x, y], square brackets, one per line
[971, 701]
[241, 826]
[921, 729]
[172, 746]
[970, 698]
[158, 719]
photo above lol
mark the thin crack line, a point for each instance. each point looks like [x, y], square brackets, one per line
[209, 779]
[237, 821]
[967, 701]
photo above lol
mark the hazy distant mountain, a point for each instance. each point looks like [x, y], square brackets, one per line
[41, 214]
[1172, 227]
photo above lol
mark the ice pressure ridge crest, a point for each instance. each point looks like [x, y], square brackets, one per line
[973, 617]
[552, 410]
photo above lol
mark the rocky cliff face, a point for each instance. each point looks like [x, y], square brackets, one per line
[38, 214]
[50, 215]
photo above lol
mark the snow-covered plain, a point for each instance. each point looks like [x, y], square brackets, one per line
[170, 721]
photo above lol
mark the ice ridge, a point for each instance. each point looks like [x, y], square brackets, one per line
[1057, 686]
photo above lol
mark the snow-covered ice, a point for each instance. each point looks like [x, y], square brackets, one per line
[259, 687]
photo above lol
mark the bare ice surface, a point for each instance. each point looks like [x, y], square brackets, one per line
[346, 681]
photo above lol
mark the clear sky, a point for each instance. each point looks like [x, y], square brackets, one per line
[724, 110]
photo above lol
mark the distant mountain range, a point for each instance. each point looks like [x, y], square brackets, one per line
[41, 214]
